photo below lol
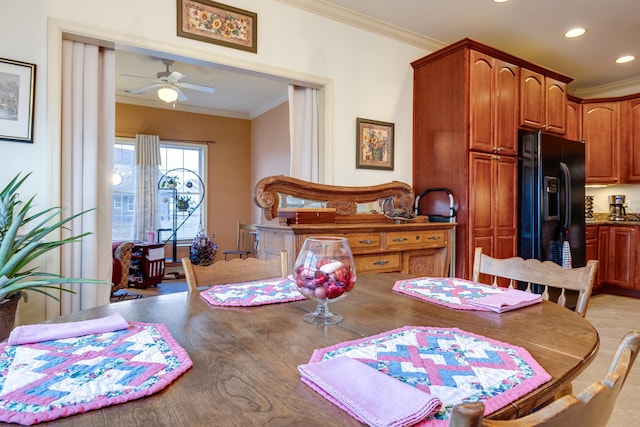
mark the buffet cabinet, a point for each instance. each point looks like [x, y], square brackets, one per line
[422, 249]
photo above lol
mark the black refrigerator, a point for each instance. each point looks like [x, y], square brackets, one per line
[551, 176]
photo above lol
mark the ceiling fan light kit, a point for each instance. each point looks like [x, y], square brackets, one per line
[167, 94]
[169, 84]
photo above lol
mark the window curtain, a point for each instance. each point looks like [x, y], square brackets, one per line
[303, 129]
[147, 175]
[88, 129]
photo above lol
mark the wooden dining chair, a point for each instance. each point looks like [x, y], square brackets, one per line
[591, 408]
[234, 271]
[534, 272]
[245, 242]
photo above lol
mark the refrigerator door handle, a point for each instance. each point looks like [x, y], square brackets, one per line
[566, 175]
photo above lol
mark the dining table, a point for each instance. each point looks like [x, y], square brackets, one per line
[245, 359]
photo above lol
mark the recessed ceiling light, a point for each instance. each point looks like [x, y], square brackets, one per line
[623, 59]
[500, 1]
[575, 32]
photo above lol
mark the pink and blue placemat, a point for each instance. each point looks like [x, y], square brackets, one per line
[453, 365]
[47, 380]
[447, 291]
[258, 292]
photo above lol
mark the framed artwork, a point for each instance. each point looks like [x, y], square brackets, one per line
[374, 144]
[218, 23]
[17, 91]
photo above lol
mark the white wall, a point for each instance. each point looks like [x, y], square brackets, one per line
[365, 75]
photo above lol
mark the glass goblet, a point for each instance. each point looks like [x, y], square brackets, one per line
[325, 271]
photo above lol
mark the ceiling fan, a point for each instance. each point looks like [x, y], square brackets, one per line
[169, 84]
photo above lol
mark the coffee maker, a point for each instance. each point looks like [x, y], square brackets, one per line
[617, 211]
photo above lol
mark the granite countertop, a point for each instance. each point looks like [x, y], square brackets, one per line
[603, 219]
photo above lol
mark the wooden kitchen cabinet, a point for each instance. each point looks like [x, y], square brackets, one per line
[603, 254]
[630, 118]
[493, 86]
[466, 119]
[493, 208]
[601, 133]
[543, 102]
[573, 120]
[591, 246]
[621, 259]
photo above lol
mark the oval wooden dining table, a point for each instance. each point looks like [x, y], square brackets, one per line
[245, 358]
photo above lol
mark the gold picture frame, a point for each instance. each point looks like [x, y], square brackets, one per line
[218, 23]
[374, 144]
[17, 93]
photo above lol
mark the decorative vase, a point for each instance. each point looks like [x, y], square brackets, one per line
[377, 154]
[324, 271]
[8, 307]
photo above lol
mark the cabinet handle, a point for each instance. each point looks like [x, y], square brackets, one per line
[400, 239]
[433, 238]
[496, 157]
[497, 149]
[366, 242]
[381, 262]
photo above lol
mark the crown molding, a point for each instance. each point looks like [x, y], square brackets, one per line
[619, 88]
[123, 99]
[368, 23]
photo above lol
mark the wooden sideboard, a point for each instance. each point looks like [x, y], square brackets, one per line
[413, 248]
[379, 244]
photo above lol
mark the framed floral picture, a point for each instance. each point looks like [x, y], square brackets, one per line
[374, 144]
[17, 93]
[218, 23]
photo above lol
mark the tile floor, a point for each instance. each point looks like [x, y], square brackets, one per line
[613, 316]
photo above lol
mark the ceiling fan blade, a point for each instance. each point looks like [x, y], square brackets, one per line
[181, 96]
[175, 76]
[201, 88]
[143, 89]
[141, 77]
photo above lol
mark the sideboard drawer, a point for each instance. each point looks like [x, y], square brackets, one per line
[422, 239]
[359, 242]
[378, 263]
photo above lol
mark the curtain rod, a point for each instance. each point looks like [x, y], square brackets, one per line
[194, 141]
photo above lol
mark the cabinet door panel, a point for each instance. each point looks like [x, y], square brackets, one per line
[429, 262]
[574, 121]
[555, 106]
[621, 258]
[601, 135]
[532, 102]
[603, 253]
[506, 206]
[631, 138]
[481, 112]
[480, 204]
[506, 107]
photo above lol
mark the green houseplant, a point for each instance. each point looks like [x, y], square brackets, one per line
[170, 181]
[183, 202]
[23, 240]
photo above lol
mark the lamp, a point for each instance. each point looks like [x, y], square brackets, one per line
[167, 94]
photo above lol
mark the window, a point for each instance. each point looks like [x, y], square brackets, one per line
[186, 161]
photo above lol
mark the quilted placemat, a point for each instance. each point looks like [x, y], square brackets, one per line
[447, 291]
[51, 379]
[454, 365]
[258, 292]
